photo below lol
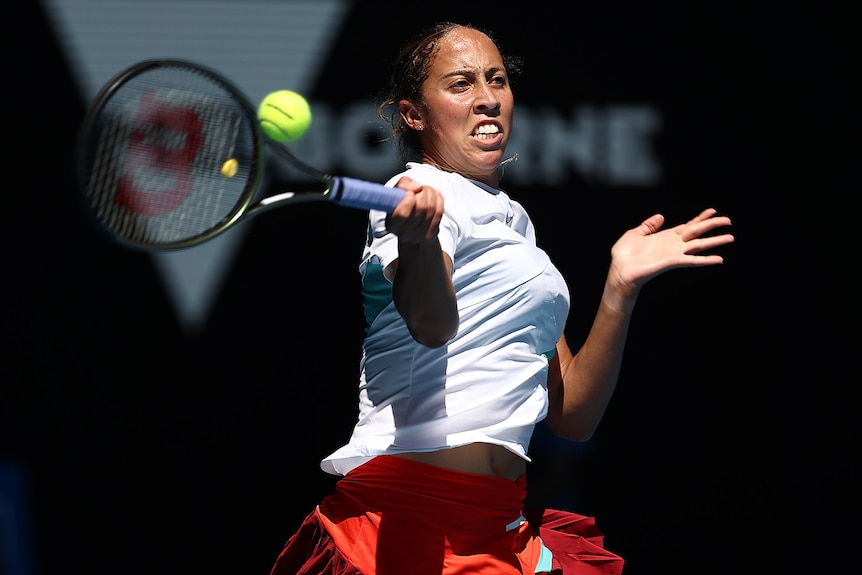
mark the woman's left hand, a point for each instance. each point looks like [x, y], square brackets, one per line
[646, 251]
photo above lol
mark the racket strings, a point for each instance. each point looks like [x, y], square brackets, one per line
[172, 155]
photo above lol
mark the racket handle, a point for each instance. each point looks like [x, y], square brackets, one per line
[365, 195]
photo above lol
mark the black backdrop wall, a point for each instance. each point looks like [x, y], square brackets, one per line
[728, 448]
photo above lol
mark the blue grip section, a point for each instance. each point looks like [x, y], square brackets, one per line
[366, 195]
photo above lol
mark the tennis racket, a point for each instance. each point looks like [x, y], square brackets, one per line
[172, 154]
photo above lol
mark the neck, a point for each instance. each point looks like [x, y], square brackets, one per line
[492, 179]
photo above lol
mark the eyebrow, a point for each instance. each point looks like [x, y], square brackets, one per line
[470, 71]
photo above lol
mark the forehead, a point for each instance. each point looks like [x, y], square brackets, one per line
[463, 48]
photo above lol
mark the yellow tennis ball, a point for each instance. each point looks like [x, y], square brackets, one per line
[229, 168]
[284, 115]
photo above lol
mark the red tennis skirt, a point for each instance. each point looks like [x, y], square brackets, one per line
[396, 516]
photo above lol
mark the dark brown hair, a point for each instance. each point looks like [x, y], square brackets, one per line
[410, 70]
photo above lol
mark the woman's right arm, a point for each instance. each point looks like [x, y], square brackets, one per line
[421, 276]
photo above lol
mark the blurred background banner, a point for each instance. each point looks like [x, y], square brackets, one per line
[168, 413]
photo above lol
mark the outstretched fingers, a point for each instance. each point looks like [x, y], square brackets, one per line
[696, 240]
[699, 245]
[703, 223]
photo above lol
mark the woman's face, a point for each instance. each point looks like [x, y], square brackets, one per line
[468, 104]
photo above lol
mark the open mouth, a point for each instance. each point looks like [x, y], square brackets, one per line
[486, 131]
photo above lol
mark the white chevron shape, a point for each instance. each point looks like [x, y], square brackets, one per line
[260, 45]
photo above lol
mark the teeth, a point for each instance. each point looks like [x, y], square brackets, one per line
[487, 129]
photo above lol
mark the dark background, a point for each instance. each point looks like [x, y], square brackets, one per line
[729, 447]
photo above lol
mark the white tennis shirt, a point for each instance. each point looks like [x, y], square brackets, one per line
[489, 383]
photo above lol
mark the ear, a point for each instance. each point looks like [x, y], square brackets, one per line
[410, 115]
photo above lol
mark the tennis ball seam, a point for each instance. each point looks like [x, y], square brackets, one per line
[281, 122]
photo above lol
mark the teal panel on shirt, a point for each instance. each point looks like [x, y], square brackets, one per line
[376, 292]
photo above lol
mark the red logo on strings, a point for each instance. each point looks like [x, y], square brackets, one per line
[160, 125]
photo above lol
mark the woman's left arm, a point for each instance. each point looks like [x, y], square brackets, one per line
[581, 384]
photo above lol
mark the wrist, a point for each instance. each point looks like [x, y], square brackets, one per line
[619, 299]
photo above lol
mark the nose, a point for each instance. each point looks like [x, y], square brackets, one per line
[486, 99]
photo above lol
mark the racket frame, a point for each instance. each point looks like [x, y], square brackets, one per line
[258, 195]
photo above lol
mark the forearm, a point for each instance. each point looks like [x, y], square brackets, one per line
[587, 379]
[423, 292]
